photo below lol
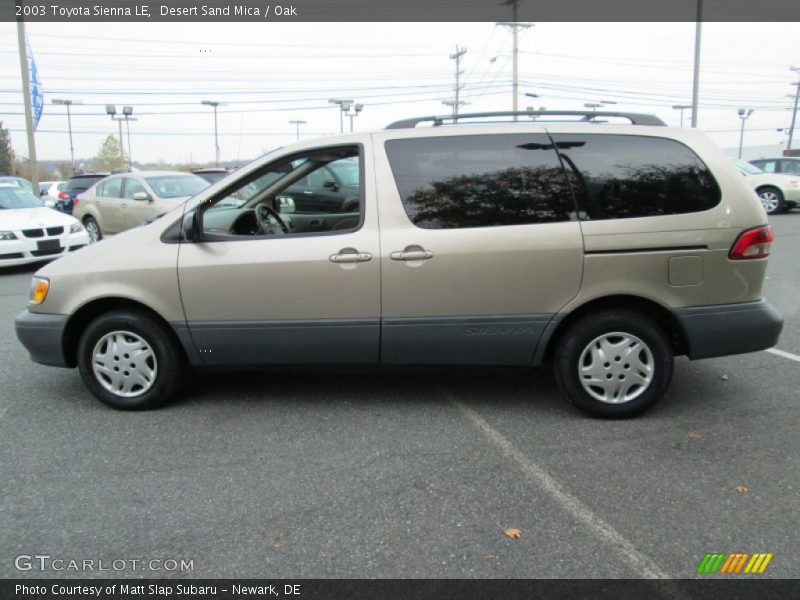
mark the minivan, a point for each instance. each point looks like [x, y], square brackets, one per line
[604, 249]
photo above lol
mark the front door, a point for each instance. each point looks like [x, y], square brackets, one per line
[111, 206]
[265, 286]
[480, 246]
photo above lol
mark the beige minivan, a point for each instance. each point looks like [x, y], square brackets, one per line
[603, 248]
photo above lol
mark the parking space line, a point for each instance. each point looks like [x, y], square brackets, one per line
[639, 562]
[784, 354]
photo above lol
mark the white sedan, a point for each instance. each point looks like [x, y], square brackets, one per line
[29, 232]
[777, 192]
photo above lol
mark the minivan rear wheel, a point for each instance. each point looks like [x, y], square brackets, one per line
[613, 364]
[129, 361]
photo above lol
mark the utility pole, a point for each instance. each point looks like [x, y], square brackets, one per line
[68, 103]
[214, 104]
[794, 111]
[26, 95]
[459, 54]
[696, 78]
[514, 27]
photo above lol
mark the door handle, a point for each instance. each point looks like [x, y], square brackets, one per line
[350, 257]
[411, 255]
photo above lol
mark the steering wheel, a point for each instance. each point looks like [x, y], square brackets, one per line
[268, 219]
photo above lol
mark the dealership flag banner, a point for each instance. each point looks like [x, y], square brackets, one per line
[37, 94]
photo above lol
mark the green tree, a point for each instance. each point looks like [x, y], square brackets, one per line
[110, 155]
[6, 152]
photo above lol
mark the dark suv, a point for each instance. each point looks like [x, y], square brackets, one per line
[75, 185]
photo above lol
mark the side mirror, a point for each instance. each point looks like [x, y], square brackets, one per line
[285, 204]
[191, 226]
[142, 197]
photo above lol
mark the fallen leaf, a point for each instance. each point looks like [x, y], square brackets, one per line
[695, 435]
[723, 377]
[278, 546]
[513, 533]
[742, 489]
[490, 556]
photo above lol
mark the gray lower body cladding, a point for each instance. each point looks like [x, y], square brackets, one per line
[724, 329]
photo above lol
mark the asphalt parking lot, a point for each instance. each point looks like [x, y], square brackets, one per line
[398, 474]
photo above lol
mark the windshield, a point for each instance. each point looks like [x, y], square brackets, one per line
[17, 198]
[176, 186]
[746, 167]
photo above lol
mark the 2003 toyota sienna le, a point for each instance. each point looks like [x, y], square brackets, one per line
[603, 248]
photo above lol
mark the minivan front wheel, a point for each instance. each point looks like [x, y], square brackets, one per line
[129, 361]
[613, 363]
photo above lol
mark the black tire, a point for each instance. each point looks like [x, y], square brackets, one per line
[89, 223]
[772, 196]
[166, 353]
[588, 329]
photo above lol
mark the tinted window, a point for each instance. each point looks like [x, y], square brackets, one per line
[480, 180]
[83, 183]
[624, 176]
[110, 189]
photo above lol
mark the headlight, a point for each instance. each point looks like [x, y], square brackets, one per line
[75, 228]
[7, 235]
[39, 287]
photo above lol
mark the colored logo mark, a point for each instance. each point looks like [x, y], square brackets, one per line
[735, 563]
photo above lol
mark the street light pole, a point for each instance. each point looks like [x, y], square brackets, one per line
[744, 114]
[214, 104]
[68, 103]
[681, 108]
[297, 124]
[696, 77]
[344, 106]
[794, 111]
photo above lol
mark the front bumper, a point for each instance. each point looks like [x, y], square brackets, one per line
[724, 329]
[42, 335]
[26, 250]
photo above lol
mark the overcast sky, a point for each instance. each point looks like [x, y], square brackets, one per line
[271, 73]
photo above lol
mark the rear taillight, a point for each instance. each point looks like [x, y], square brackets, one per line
[753, 243]
[63, 195]
[75, 201]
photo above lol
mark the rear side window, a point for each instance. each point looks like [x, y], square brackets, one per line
[110, 189]
[624, 176]
[480, 181]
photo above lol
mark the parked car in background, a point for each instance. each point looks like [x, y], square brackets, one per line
[778, 192]
[30, 232]
[212, 174]
[605, 250]
[785, 164]
[126, 200]
[75, 185]
[49, 190]
[18, 181]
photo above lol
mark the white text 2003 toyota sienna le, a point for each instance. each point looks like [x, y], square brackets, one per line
[605, 249]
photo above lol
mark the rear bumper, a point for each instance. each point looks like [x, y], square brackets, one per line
[42, 336]
[724, 329]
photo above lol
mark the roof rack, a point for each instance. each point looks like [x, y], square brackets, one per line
[588, 115]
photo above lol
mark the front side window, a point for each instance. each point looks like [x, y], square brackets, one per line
[792, 167]
[296, 195]
[176, 186]
[480, 181]
[132, 186]
[627, 176]
[111, 188]
[768, 166]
